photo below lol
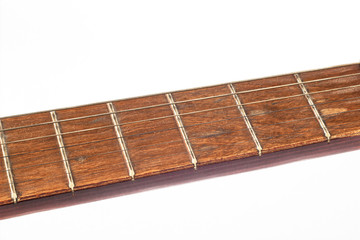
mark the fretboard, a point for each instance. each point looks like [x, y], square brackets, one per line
[60, 151]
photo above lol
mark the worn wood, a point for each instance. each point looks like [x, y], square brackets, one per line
[332, 104]
[215, 128]
[280, 124]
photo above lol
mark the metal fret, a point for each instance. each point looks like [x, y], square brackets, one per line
[7, 164]
[182, 129]
[313, 107]
[246, 119]
[64, 156]
[121, 140]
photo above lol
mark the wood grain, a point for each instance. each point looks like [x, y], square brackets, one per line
[214, 125]
[95, 156]
[216, 135]
[5, 197]
[36, 164]
[340, 109]
[280, 124]
[155, 146]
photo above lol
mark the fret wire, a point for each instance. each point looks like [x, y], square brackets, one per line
[64, 156]
[7, 164]
[189, 100]
[121, 140]
[189, 113]
[313, 107]
[246, 119]
[182, 129]
[200, 137]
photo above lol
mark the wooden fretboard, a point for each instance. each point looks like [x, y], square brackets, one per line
[59, 151]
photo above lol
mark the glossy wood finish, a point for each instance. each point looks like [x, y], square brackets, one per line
[214, 125]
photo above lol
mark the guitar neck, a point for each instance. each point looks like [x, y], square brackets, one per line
[60, 151]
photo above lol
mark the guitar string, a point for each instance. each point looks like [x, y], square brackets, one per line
[188, 113]
[188, 126]
[189, 100]
[140, 147]
[88, 157]
[199, 150]
[245, 141]
[110, 166]
[175, 128]
[118, 164]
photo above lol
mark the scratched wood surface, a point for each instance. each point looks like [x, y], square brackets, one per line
[276, 107]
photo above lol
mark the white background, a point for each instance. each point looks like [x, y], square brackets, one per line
[57, 54]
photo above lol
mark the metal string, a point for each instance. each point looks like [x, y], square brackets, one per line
[329, 116]
[239, 143]
[169, 129]
[199, 99]
[188, 126]
[182, 114]
[149, 145]
[165, 156]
